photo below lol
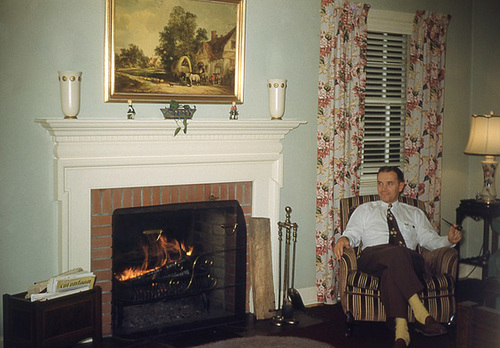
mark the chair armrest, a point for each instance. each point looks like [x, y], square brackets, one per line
[441, 261]
[348, 262]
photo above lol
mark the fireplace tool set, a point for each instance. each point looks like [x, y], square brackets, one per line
[291, 297]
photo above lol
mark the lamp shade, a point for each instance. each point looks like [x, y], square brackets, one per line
[484, 138]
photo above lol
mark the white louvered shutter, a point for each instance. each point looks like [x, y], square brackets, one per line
[386, 72]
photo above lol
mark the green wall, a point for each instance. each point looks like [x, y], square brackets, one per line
[38, 38]
[485, 95]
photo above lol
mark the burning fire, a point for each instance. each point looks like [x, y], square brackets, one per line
[162, 250]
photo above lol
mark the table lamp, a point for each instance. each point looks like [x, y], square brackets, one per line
[484, 139]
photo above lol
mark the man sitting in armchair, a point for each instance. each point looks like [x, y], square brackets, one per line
[389, 232]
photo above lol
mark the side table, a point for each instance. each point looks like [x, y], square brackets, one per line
[477, 210]
[477, 326]
[59, 322]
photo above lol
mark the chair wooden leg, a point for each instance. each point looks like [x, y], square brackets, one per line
[349, 324]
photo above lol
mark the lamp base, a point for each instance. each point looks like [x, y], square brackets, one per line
[489, 192]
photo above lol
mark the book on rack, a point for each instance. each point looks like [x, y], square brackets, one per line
[63, 284]
[52, 295]
[81, 280]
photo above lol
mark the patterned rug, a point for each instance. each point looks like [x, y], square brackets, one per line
[267, 341]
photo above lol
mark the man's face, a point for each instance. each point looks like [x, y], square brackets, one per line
[389, 187]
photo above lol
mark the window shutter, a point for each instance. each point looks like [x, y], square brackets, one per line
[383, 143]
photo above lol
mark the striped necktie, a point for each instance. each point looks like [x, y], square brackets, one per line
[395, 236]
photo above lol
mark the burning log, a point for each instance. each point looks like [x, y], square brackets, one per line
[158, 253]
[186, 276]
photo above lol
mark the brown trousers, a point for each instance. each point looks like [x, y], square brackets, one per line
[399, 269]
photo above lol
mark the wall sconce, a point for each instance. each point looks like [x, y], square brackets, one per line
[484, 139]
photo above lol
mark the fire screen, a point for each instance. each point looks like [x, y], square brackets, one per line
[178, 267]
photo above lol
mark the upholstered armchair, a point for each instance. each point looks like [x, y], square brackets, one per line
[359, 292]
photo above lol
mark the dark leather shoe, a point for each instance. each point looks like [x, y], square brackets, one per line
[431, 327]
[400, 343]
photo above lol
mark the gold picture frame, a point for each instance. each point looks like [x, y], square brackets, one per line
[183, 50]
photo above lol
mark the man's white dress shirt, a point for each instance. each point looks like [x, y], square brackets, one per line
[368, 224]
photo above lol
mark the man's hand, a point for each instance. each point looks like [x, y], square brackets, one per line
[338, 249]
[454, 235]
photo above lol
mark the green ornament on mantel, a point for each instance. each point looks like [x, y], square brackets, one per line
[177, 112]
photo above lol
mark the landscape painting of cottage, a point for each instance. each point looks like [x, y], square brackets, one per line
[183, 50]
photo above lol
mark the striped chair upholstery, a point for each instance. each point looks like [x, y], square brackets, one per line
[359, 292]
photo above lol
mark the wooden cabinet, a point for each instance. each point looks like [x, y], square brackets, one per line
[477, 326]
[59, 322]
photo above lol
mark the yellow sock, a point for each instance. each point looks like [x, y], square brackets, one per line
[402, 330]
[418, 309]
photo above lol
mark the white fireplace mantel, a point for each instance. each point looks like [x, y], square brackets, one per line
[107, 153]
[154, 139]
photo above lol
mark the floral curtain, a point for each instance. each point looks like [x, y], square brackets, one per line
[424, 111]
[341, 87]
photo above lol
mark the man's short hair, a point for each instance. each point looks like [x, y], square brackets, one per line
[388, 169]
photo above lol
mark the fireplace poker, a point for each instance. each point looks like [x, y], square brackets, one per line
[294, 252]
[278, 318]
[286, 309]
[292, 292]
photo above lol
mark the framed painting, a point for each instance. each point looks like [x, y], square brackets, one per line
[183, 50]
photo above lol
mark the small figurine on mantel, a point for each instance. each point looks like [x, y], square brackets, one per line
[130, 111]
[233, 113]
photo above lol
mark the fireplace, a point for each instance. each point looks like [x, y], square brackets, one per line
[105, 202]
[178, 267]
[103, 157]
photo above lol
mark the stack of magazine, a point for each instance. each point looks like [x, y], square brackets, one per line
[67, 283]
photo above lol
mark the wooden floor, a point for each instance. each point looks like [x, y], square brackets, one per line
[323, 323]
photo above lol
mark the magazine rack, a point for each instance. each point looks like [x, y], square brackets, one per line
[58, 322]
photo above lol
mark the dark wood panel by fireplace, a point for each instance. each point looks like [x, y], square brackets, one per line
[178, 267]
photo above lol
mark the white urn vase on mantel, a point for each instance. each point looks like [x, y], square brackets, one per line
[69, 82]
[276, 89]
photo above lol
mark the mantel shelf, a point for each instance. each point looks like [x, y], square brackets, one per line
[207, 128]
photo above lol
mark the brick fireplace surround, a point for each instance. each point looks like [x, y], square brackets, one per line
[103, 164]
[105, 201]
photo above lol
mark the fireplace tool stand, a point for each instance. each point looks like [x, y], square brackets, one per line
[285, 309]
